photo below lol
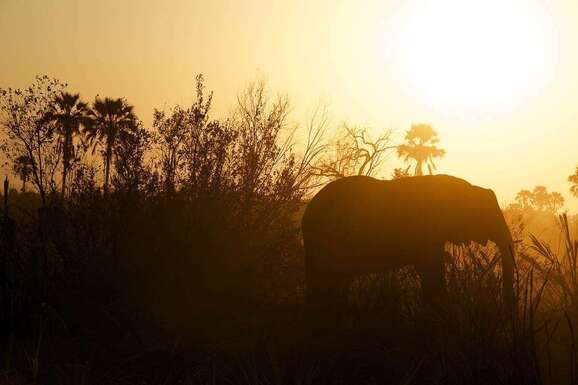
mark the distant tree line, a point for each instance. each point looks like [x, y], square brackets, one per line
[539, 199]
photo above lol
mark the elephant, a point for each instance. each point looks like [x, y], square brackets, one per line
[359, 225]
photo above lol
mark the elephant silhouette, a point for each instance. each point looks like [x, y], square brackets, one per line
[359, 225]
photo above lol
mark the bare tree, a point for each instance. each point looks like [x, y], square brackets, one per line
[28, 134]
[129, 160]
[307, 177]
[355, 153]
[243, 153]
[171, 135]
[207, 147]
[263, 154]
[189, 144]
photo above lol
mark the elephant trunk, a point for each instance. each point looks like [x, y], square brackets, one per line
[506, 246]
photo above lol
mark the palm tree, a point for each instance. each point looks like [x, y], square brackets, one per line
[556, 202]
[525, 198]
[69, 113]
[23, 168]
[574, 180]
[110, 120]
[420, 146]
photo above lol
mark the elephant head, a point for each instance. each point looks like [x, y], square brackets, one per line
[478, 218]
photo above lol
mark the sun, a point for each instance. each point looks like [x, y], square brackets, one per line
[475, 52]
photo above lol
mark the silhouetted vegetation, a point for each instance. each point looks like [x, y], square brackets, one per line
[573, 179]
[354, 153]
[421, 147]
[538, 199]
[173, 254]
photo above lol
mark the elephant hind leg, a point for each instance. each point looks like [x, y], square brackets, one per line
[326, 298]
[314, 294]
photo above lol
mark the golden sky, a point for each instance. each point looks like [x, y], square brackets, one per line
[497, 79]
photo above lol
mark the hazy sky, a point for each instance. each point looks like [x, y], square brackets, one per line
[497, 79]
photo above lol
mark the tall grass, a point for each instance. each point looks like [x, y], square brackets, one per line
[556, 269]
[140, 312]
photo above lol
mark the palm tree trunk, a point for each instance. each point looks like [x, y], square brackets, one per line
[65, 168]
[66, 157]
[107, 159]
[418, 169]
[65, 165]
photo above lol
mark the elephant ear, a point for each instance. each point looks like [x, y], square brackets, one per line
[469, 208]
[450, 208]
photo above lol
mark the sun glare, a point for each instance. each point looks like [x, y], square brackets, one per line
[475, 53]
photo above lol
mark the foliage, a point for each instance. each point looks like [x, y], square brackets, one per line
[68, 113]
[109, 123]
[132, 173]
[171, 134]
